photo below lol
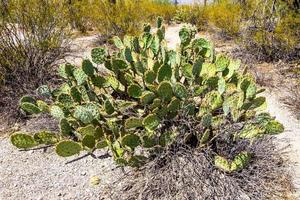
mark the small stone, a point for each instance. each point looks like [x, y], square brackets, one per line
[83, 173]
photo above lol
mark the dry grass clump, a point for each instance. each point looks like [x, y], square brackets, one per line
[182, 171]
[292, 101]
[187, 173]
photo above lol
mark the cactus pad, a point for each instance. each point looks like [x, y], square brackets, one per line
[88, 68]
[164, 73]
[68, 148]
[83, 114]
[22, 140]
[165, 90]
[109, 108]
[65, 128]
[30, 108]
[240, 161]
[57, 112]
[119, 64]
[133, 122]
[134, 90]
[222, 163]
[147, 98]
[131, 140]
[80, 76]
[45, 137]
[151, 122]
[88, 141]
[180, 91]
[98, 55]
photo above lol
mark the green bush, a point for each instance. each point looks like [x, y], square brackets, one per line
[153, 99]
[33, 35]
[272, 30]
[118, 18]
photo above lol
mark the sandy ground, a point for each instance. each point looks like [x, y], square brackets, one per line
[40, 174]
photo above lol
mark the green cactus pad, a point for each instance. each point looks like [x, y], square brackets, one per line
[274, 127]
[214, 99]
[240, 161]
[27, 99]
[148, 141]
[222, 62]
[205, 137]
[180, 91]
[150, 77]
[80, 76]
[221, 85]
[45, 137]
[65, 127]
[88, 68]
[30, 108]
[88, 141]
[44, 91]
[159, 22]
[207, 120]
[164, 73]
[118, 42]
[111, 81]
[66, 100]
[67, 148]
[131, 140]
[109, 108]
[57, 112]
[165, 90]
[22, 140]
[185, 36]
[251, 131]
[174, 105]
[147, 97]
[134, 90]
[187, 71]
[87, 130]
[222, 163]
[128, 55]
[98, 81]
[233, 66]
[43, 106]
[133, 122]
[101, 144]
[83, 114]
[151, 122]
[119, 64]
[156, 103]
[98, 55]
[75, 94]
[66, 70]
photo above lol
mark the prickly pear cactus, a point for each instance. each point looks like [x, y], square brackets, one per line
[147, 99]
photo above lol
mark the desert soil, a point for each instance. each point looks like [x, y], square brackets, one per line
[40, 174]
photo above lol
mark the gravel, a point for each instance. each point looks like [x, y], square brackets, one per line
[41, 174]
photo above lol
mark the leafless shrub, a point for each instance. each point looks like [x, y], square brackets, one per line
[190, 174]
[33, 36]
[182, 171]
[292, 100]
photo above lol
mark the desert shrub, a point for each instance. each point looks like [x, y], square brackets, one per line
[127, 16]
[225, 15]
[272, 31]
[195, 14]
[32, 37]
[80, 14]
[154, 100]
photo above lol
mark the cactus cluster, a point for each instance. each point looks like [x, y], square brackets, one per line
[133, 109]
